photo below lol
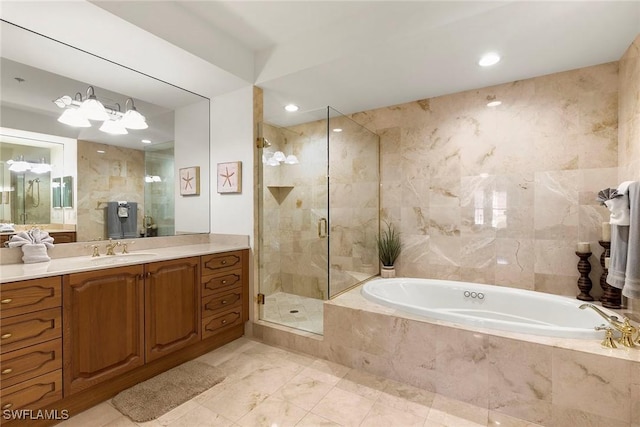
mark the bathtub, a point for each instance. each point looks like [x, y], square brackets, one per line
[486, 306]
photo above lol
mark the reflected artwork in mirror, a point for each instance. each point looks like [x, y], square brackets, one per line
[126, 147]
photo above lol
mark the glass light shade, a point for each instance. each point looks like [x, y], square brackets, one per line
[134, 120]
[148, 179]
[74, 117]
[114, 127]
[41, 168]
[291, 160]
[63, 101]
[279, 156]
[93, 109]
[18, 166]
[273, 162]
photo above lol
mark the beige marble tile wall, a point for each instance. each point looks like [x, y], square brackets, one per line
[629, 125]
[501, 195]
[629, 113]
[116, 174]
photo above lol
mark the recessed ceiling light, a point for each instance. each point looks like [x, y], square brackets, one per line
[291, 108]
[146, 141]
[494, 103]
[101, 151]
[489, 59]
[337, 130]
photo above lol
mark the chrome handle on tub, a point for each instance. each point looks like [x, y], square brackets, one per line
[322, 228]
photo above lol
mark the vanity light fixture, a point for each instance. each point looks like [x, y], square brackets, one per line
[278, 157]
[291, 108]
[489, 59]
[21, 165]
[78, 112]
[494, 103]
[152, 178]
[337, 130]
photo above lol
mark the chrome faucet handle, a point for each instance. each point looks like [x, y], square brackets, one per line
[125, 249]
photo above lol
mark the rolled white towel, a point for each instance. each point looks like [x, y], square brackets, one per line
[619, 206]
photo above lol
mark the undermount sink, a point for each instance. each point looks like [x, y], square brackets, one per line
[117, 258]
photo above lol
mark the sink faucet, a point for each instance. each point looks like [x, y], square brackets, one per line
[111, 246]
[624, 327]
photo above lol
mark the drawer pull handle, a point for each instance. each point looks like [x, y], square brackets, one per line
[6, 301]
[7, 406]
[224, 301]
[5, 336]
[224, 282]
[224, 261]
[7, 371]
[224, 321]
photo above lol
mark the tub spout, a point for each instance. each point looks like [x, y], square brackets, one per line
[624, 327]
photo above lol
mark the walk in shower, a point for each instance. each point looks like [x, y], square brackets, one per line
[318, 215]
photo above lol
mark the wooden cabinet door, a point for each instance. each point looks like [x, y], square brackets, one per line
[172, 306]
[103, 325]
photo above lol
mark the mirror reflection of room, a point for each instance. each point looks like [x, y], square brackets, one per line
[121, 152]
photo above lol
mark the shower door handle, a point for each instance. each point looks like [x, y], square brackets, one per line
[322, 227]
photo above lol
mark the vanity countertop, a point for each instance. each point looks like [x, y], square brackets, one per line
[58, 266]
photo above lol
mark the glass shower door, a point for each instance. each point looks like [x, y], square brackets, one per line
[293, 221]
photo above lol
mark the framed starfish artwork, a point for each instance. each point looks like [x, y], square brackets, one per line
[230, 177]
[190, 181]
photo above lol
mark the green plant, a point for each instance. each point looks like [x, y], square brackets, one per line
[389, 245]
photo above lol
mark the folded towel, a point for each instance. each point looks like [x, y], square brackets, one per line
[34, 252]
[7, 228]
[624, 266]
[35, 235]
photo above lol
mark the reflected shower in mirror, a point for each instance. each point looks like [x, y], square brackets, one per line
[128, 149]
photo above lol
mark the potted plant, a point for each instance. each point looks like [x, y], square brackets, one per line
[389, 247]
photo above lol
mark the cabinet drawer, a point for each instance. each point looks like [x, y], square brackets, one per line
[34, 393]
[215, 324]
[27, 363]
[221, 282]
[214, 263]
[216, 303]
[28, 329]
[29, 295]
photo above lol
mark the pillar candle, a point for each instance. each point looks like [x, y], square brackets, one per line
[607, 261]
[606, 232]
[584, 247]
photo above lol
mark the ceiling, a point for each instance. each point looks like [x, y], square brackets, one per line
[359, 55]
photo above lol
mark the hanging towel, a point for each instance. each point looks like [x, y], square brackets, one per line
[624, 267]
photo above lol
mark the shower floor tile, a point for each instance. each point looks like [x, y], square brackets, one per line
[294, 311]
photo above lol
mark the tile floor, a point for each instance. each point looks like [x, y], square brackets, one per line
[272, 387]
[306, 316]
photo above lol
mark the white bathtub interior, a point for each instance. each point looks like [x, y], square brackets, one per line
[487, 306]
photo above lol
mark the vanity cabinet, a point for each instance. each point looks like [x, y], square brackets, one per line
[103, 325]
[31, 351]
[172, 306]
[96, 333]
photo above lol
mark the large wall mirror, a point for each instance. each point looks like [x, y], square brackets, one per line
[111, 176]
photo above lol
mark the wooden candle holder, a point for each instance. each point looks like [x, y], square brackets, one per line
[611, 297]
[584, 282]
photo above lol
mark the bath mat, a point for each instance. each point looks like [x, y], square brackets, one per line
[158, 395]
